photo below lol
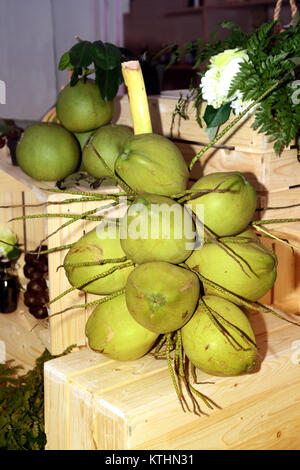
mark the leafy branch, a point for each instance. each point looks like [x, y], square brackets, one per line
[271, 56]
[103, 59]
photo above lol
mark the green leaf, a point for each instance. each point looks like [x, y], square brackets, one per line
[106, 56]
[13, 254]
[75, 76]
[215, 117]
[81, 55]
[64, 62]
[211, 132]
[108, 82]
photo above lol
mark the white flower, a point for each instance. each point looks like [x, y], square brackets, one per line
[238, 105]
[217, 80]
[8, 236]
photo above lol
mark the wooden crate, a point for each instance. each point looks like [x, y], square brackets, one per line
[19, 189]
[275, 179]
[92, 402]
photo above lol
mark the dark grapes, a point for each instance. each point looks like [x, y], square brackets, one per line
[36, 295]
[37, 285]
[32, 272]
[31, 299]
[39, 312]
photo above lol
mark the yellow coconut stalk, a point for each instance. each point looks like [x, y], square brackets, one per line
[138, 101]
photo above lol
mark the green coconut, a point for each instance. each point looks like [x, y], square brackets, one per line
[248, 269]
[48, 152]
[153, 164]
[109, 142]
[155, 228]
[99, 244]
[111, 330]
[81, 108]
[226, 213]
[161, 296]
[210, 350]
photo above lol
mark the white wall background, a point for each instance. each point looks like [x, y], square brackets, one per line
[33, 36]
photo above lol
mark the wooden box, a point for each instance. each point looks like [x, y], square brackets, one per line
[92, 402]
[275, 178]
[33, 198]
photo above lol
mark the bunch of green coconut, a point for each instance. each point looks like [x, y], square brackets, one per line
[177, 274]
[159, 280]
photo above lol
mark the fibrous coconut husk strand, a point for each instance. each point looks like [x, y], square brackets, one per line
[217, 320]
[92, 279]
[98, 262]
[257, 306]
[90, 304]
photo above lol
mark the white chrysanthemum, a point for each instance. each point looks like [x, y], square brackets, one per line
[217, 80]
[8, 236]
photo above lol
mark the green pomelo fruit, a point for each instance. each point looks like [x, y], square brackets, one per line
[151, 163]
[82, 138]
[98, 244]
[246, 269]
[81, 108]
[112, 331]
[161, 296]
[226, 213]
[155, 228]
[109, 141]
[209, 350]
[48, 152]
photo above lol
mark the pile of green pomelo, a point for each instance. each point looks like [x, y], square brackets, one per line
[197, 287]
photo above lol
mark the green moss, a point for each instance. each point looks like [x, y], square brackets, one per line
[22, 405]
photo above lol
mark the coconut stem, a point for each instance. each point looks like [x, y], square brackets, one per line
[92, 279]
[65, 201]
[91, 304]
[217, 319]
[94, 263]
[281, 240]
[97, 196]
[171, 370]
[54, 250]
[139, 107]
[182, 368]
[273, 221]
[257, 306]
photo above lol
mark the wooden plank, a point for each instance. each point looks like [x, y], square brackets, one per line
[7, 182]
[35, 228]
[282, 205]
[134, 406]
[57, 404]
[67, 328]
[173, 429]
[223, 159]
[25, 337]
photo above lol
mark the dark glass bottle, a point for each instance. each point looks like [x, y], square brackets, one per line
[9, 287]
